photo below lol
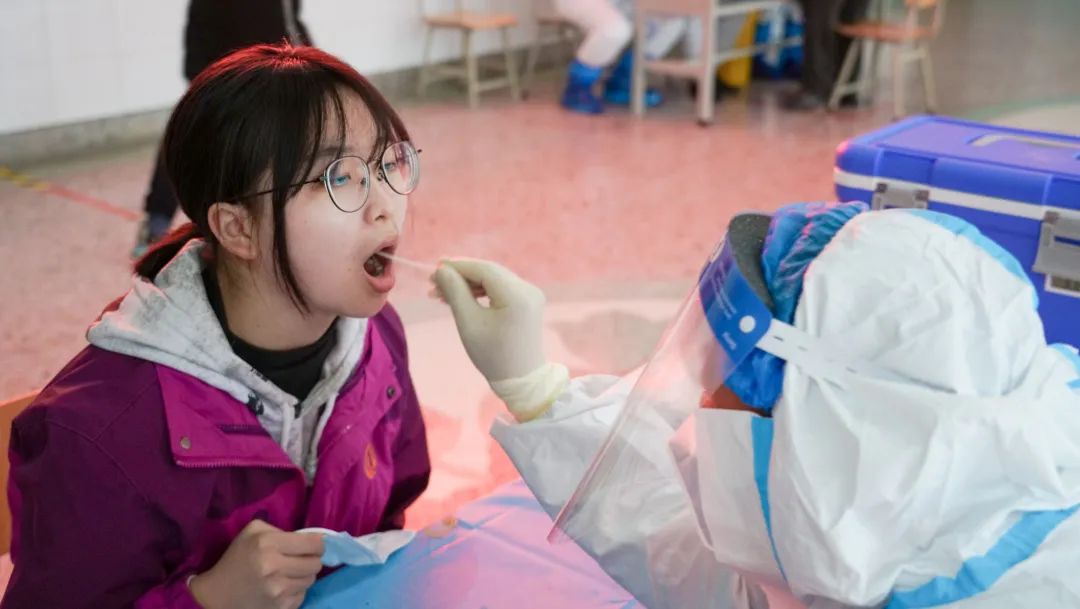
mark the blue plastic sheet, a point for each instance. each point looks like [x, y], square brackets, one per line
[492, 555]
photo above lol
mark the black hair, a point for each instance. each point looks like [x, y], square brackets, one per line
[260, 111]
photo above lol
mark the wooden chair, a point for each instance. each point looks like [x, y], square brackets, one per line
[469, 23]
[566, 35]
[912, 37]
[8, 411]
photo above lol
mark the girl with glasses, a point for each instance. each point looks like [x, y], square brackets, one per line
[253, 381]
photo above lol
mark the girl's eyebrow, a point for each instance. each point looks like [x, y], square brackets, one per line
[332, 152]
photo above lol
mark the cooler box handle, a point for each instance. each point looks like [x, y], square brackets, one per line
[1041, 142]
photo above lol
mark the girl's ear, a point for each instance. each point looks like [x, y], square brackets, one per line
[233, 226]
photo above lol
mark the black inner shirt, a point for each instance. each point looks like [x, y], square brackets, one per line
[296, 371]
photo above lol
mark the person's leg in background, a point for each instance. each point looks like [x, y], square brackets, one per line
[159, 208]
[822, 49]
[202, 44]
[819, 52]
[214, 29]
[851, 11]
[662, 34]
[607, 32]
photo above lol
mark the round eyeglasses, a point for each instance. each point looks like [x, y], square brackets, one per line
[348, 178]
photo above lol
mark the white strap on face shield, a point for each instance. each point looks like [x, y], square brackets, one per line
[736, 302]
[818, 357]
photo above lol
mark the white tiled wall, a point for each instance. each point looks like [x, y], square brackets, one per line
[65, 61]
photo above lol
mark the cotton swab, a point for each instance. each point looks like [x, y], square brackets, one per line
[425, 267]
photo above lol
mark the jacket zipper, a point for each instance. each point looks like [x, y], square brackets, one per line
[217, 464]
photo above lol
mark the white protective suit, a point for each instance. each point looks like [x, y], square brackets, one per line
[951, 482]
[607, 29]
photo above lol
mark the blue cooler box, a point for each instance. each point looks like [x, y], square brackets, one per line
[1020, 188]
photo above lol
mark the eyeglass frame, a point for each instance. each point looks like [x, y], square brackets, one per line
[324, 177]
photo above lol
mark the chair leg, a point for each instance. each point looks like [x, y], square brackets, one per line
[929, 88]
[899, 59]
[876, 51]
[868, 76]
[637, 80]
[425, 66]
[530, 63]
[570, 38]
[706, 92]
[707, 79]
[472, 71]
[566, 42]
[842, 84]
[511, 66]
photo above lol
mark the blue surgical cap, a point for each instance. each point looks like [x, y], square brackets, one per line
[797, 234]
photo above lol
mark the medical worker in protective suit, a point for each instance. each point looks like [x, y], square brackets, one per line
[896, 433]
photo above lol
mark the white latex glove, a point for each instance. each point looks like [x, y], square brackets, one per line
[503, 340]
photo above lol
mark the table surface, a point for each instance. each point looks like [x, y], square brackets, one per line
[493, 554]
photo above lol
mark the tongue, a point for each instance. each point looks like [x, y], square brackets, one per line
[374, 266]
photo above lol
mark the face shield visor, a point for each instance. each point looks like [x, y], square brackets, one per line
[723, 320]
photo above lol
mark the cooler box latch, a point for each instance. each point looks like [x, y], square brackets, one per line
[892, 197]
[1059, 253]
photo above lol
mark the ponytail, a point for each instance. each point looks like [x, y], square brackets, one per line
[165, 250]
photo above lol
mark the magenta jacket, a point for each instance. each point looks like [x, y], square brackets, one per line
[127, 476]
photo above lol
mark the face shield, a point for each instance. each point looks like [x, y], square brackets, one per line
[722, 321]
[719, 324]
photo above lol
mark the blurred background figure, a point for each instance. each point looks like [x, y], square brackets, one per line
[823, 49]
[607, 32]
[213, 29]
[608, 29]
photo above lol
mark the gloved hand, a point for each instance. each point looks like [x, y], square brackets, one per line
[503, 340]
